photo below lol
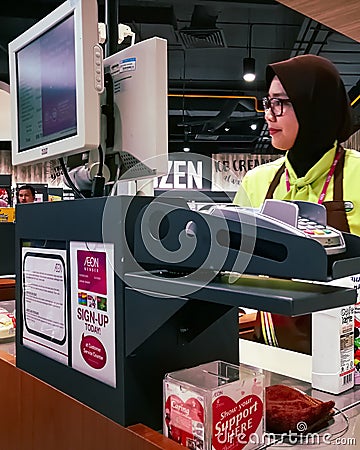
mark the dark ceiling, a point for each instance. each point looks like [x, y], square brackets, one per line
[211, 107]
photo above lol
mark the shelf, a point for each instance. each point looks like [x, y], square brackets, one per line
[278, 296]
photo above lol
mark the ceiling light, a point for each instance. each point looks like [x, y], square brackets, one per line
[253, 126]
[249, 69]
[249, 62]
[186, 149]
[227, 129]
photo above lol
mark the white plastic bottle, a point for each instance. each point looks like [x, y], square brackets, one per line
[333, 349]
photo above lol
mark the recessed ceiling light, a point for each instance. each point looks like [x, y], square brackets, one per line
[186, 149]
[249, 69]
[227, 129]
[249, 77]
[253, 126]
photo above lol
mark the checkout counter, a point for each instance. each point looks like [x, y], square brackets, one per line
[7, 276]
[171, 308]
[7, 244]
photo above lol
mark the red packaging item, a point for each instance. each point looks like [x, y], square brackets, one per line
[287, 408]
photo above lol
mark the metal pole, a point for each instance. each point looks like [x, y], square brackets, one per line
[111, 21]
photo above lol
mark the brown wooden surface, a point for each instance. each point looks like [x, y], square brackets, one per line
[246, 326]
[35, 416]
[340, 15]
[247, 320]
[156, 438]
[7, 289]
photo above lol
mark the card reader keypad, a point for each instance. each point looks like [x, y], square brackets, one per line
[327, 236]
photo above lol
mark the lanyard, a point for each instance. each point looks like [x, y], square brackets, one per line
[327, 181]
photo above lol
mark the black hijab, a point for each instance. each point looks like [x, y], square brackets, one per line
[321, 105]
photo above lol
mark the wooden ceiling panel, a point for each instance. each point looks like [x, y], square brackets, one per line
[340, 15]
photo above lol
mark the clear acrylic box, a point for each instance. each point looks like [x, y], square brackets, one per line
[215, 406]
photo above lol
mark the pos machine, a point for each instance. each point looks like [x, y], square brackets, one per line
[115, 292]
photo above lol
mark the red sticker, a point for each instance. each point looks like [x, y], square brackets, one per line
[93, 352]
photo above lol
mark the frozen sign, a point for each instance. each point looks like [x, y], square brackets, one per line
[181, 175]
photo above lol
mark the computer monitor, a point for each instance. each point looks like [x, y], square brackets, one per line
[139, 76]
[56, 76]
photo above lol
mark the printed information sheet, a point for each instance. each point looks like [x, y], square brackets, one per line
[44, 302]
[93, 310]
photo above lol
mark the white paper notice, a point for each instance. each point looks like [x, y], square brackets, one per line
[44, 302]
[93, 310]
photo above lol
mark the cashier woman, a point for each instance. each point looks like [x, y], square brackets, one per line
[308, 114]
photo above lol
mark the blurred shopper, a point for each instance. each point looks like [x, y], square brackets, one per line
[26, 194]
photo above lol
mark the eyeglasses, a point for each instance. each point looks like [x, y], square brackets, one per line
[276, 105]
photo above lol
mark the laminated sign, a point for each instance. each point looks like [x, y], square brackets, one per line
[93, 310]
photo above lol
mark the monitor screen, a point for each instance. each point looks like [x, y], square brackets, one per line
[56, 76]
[47, 98]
